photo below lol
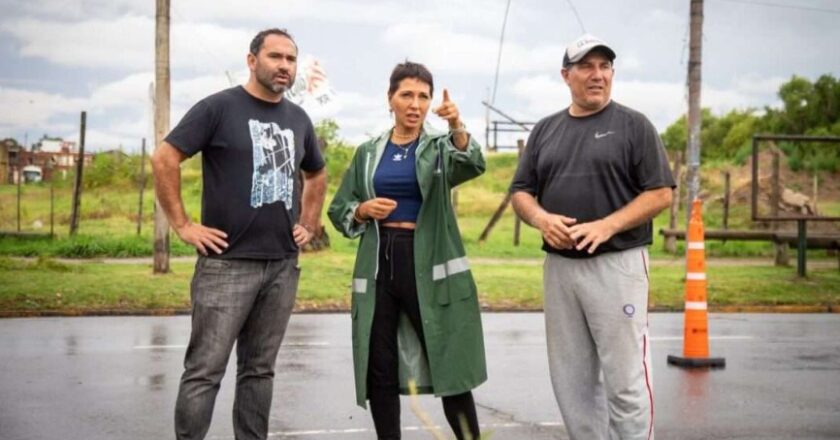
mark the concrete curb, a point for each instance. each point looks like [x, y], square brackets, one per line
[311, 309]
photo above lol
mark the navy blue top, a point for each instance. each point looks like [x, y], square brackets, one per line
[396, 179]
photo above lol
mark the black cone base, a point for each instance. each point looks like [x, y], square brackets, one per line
[696, 362]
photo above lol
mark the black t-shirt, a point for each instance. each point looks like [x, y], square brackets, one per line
[589, 167]
[252, 152]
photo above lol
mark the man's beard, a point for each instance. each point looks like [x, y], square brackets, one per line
[266, 79]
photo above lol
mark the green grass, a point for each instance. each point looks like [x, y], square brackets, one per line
[829, 209]
[87, 246]
[47, 285]
[108, 229]
[746, 285]
[109, 216]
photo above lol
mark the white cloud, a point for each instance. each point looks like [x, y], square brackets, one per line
[86, 41]
[443, 49]
[200, 47]
[670, 18]
[482, 14]
[28, 108]
[86, 9]
[538, 96]
[127, 97]
[83, 43]
[131, 91]
[464, 14]
[629, 62]
[755, 84]
[186, 92]
[100, 140]
[661, 102]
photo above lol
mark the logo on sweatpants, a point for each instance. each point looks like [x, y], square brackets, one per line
[629, 310]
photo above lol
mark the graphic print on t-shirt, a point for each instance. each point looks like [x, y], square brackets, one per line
[274, 164]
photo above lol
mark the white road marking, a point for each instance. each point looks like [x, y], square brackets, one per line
[711, 338]
[314, 432]
[181, 346]
[326, 344]
[158, 347]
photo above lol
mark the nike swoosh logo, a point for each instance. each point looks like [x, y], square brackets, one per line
[600, 135]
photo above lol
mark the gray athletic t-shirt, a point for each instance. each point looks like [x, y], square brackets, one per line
[252, 154]
[587, 168]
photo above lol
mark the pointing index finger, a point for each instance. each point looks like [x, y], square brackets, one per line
[445, 95]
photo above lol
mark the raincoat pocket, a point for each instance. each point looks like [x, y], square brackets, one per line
[454, 287]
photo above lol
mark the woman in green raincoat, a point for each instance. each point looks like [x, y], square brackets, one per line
[414, 306]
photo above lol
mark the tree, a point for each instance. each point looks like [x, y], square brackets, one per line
[327, 131]
[806, 105]
[811, 108]
[338, 152]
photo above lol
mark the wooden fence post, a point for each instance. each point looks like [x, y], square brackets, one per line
[726, 179]
[781, 255]
[671, 241]
[77, 189]
[517, 223]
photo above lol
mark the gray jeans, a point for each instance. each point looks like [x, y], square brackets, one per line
[243, 301]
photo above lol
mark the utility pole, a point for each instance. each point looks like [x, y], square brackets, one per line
[77, 189]
[161, 258]
[692, 177]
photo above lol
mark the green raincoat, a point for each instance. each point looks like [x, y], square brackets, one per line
[447, 294]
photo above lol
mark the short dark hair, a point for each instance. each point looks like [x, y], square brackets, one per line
[410, 70]
[257, 42]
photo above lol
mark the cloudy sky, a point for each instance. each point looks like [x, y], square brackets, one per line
[60, 57]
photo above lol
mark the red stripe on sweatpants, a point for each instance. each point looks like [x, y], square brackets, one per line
[644, 352]
[647, 383]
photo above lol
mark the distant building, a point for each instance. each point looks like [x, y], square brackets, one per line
[54, 157]
[4, 162]
[9, 155]
[48, 145]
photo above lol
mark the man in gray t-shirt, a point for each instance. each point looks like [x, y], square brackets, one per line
[591, 179]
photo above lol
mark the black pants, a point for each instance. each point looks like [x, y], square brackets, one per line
[396, 291]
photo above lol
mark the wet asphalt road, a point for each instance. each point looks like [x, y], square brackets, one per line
[117, 378]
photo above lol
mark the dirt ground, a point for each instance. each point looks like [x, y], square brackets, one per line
[802, 183]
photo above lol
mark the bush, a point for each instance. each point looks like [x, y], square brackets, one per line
[87, 246]
[114, 169]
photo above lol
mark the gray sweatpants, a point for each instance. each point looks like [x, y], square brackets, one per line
[243, 301]
[598, 352]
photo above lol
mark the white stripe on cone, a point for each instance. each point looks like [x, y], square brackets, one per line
[695, 305]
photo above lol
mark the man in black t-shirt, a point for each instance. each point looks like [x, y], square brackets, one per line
[591, 179]
[256, 213]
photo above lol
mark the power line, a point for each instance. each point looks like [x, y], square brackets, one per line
[577, 16]
[684, 49]
[786, 6]
[499, 58]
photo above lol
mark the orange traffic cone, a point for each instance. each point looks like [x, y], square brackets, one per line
[696, 335]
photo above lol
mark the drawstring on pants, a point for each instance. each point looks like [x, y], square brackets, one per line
[389, 253]
[389, 237]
